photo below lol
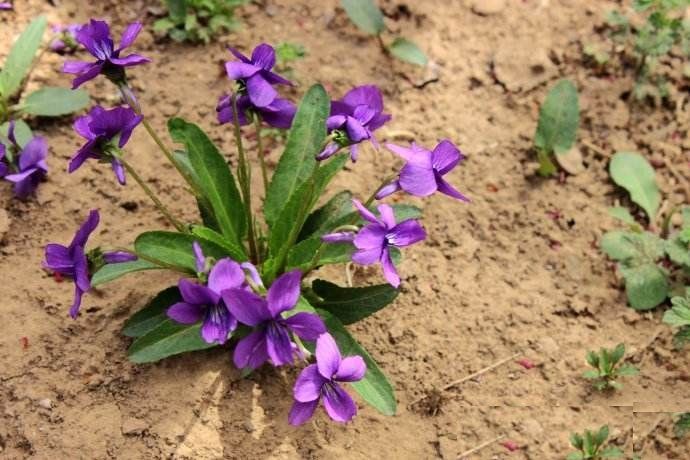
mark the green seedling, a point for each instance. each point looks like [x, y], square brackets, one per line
[46, 101]
[559, 118]
[607, 368]
[592, 445]
[679, 318]
[681, 425]
[367, 16]
[650, 264]
[286, 54]
[198, 20]
[663, 30]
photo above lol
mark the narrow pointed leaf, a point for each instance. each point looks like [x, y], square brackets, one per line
[18, 63]
[237, 253]
[54, 102]
[110, 272]
[350, 305]
[153, 314]
[215, 179]
[174, 250]
[167, 339]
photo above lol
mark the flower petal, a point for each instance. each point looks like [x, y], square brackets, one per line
[58, 258]
[225, 274]
[95, 36]
[119, 171]
[415, 154]
[130, 60]
[196, 293]
[406, 233]
[284, 292]
[372, 236]
[447, 189]
[327, 355]
[388, 189]
[218, 322]
[264, 56]
[76, 304]
[308, 385]
[280, 115]
[86, 229]
[368, 95]
[367, 256]
[387, 215]
[130, 34]
[352, 369]
[355, 131]
[307, 326]
[76, 67]
[365, 213]
[418, 180]
[260, 92]
[186, 313]
[91, 73]
[199, 258]
[389, 271]
[118, 257]
[247, 307]
[445, 156]
[301, 412]
[338, 237]
[240, 70]
[338, 404]
[279, 344]
[81, 269]
[250, 352]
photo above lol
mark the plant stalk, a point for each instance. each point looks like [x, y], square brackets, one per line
[161, 207]
[262, 160]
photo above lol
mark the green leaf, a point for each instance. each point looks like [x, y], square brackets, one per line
[177, 10]
[646, 286]
[350, 305]
[374, 388]
[559, 118]
[679, 314]
[53, 102]
[591, 374]
[215, 179]
[18, 62]
[627, 370]
[575, 456]
[602, 435]
[611, 452]
[163, 25]
[167, 339]
[576, 440]
[110, 272]
[235, 252]
[365, 15]
[296, 165]
[617, 353]
[153, 314]
[618, 246]
[622, 214]
[407, 51]
[22, 132]
[678, 251]
[682, 337]
[321, 220]
[632, 172]
[174, 250]
[628, 246]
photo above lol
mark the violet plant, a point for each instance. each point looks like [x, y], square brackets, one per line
[245, 277]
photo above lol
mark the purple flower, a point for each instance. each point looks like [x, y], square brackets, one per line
[31, 168]
[423, 172]
[205, 303]
[96, 38]
[3, 166]
[106, 131]
[73, 260]
[353, 120]
[279, 113]
[374, 241]
[66, 40]
[321, 380]
[271, 335]
[255, 74]
[5, 6]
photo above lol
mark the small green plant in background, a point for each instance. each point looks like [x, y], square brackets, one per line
[367, 16]
[681, 425]
[286, 54]
[198, 20]
[653, 266]
[663, 30]
[679, 318]
[591, 445]
[559, 119]
[47, 101]
[608, 367]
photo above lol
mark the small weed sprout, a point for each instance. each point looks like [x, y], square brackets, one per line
[198, 21]
[592, 445]
[679, 318]
[607, 368]
[681, 424]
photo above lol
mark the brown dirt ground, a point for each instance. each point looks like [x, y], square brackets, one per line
[495, 278]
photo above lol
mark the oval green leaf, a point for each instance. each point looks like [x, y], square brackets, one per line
[632, 172]
[559, 118]
[54, 102]
[354, 304]
[646, 286]
[110, 272]
[407, 51]
[167, 339]
[236, 252]
[365, 15]
[18, 62]
[174, 250]
[153, 314]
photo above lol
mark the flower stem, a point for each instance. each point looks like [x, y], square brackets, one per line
[161, 207]
[262, 160]
[244, 177]
[129, 99]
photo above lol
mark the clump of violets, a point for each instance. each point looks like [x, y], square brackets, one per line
[75, 262]
[65, 41]
[322, 381]
[106, 133]
[245, 277]
[255, 95]
[24, 166]
[95, 37]
[353, 120]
